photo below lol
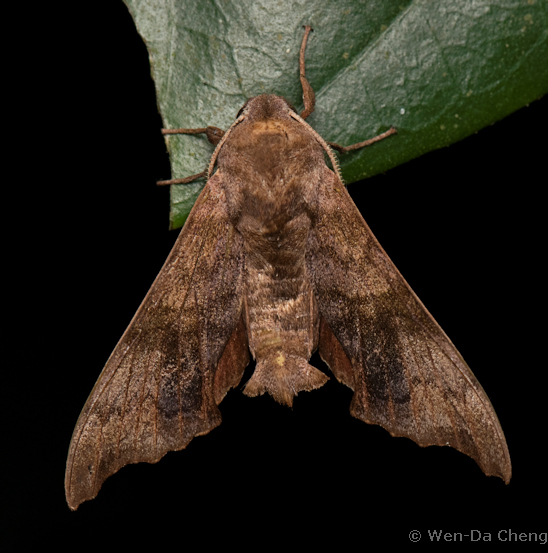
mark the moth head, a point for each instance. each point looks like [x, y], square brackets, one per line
[265, 106]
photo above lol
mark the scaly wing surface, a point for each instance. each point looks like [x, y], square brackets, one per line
[379, 339]
[183, 350]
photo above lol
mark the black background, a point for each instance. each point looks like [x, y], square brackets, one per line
[462, 224]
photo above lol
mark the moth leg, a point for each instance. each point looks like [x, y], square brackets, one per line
[358, 145]
[308, 94]
[214, 135]
[186, 180]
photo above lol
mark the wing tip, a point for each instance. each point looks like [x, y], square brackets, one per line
[499, 465]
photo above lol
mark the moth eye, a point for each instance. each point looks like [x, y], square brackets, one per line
[290, 106]
[242, 109]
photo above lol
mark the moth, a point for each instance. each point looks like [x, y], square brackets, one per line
[275, 260]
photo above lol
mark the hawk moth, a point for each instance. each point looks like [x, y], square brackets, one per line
[276, 260]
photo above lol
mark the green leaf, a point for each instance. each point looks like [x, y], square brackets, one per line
[436, 70]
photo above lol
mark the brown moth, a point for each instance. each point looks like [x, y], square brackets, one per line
[276, 259]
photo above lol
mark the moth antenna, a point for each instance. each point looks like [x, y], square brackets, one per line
[335, 162]
[324, 144]
[220, 145]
